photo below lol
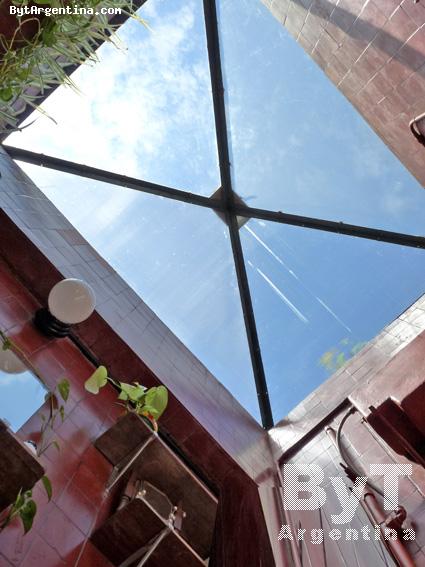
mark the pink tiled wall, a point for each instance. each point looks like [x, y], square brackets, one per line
[374, 51]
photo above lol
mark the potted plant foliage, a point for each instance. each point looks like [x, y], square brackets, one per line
[20, 468]
[14, 28]
[36, 51]
[148, 403]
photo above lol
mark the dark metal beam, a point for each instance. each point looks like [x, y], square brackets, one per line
[228, 204]
[332, 226]
[112, 178]
[216, 204]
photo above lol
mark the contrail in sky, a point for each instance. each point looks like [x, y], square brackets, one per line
[283, 297]
[294, 275]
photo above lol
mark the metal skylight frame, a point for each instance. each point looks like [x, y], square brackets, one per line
[226, 204]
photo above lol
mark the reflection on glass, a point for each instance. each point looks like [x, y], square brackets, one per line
[176, 256]
[298, 145]
[144, 110]
[318, 297]
[21, 393]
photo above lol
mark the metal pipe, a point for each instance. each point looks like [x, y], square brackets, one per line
[158, 540]
[370, 504]
[399, 552]
[155, 542]
[415, 130]
[117, 473]
[286, 517]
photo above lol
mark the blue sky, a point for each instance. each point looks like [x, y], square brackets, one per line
[24, 387]
[297, 145]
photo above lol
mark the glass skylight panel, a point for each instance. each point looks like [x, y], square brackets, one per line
[176, 256]
[18, 383]
[143, 111]
[297, 144]
[318, 298]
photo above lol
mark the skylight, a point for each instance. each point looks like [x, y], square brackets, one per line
[296, 145]
[318, 298]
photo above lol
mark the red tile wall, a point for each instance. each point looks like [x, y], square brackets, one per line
[78, 471]
[235, 523]
[374, 52]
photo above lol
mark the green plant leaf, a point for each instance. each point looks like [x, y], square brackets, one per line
[340, 360]
[62, 413]
[6, 94]
[7, 344]
[146, 409]
[47, 486]
[27, 514]
[20, 499]
[64, 388]
[156, 400]
[134, 392]
[97, 380]
[56, 445]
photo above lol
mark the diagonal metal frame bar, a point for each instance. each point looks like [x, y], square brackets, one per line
[226, 204]
[89, 172]
[211, 25]
[332, 226]
[104, 176]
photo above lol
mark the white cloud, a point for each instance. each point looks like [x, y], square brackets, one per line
[141, 110]
[9, 379]
[145, 111]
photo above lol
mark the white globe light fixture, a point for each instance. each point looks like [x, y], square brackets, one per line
[417, 127]
[71, 301]
[10, 363]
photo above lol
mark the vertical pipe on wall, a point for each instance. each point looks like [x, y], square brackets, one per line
[292, 542]
[398, 551]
